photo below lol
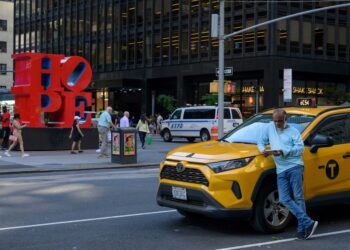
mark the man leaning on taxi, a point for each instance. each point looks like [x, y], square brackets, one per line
[287, 150]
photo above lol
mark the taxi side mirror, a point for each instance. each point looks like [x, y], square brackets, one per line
[321, 141]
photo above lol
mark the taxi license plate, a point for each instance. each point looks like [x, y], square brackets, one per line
[179, 193]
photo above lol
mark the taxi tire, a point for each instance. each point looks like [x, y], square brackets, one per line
[167, 135]
[258, 221]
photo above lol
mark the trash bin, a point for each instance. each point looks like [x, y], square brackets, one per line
[123, 146]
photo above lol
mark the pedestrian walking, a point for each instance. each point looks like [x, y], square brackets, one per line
[104, 125]
[124, 122]
[159, 123]
[17, 136]
[6, 131]
[152, 125]
[76, 135]
[143, 129]
[287, 149]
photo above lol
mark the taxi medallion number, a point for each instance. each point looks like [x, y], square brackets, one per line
[179, 193]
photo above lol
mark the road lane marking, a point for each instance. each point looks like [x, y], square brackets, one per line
[283, 241]
[86, 220]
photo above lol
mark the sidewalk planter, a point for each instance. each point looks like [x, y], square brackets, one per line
[42, 139]
[124, 145]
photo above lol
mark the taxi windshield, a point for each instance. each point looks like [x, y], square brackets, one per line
[249, 131]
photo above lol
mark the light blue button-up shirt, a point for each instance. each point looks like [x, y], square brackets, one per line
[288, 140]
[105, 119]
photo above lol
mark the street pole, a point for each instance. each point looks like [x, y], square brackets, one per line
[221, 69]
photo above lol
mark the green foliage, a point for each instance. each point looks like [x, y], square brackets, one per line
[209, 99]
[336, 96]
[167, 102]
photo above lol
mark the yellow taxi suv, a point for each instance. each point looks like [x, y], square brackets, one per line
[230, 177]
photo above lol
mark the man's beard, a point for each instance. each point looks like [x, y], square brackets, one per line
[283, 127]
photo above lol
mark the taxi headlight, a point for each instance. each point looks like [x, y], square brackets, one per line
[221, 166]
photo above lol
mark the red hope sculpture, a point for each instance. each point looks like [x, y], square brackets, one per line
[54, 84]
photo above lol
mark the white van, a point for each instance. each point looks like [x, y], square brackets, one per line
[196, 122]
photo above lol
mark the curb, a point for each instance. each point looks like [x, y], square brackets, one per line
[75, 169]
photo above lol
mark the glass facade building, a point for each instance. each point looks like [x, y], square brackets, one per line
[139, 49]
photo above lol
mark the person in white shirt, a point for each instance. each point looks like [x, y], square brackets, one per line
[159, 123]
[124, 122]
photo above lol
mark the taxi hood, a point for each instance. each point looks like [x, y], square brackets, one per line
[213, 151]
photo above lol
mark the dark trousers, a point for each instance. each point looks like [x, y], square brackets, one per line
[142, 137]
[5, 135]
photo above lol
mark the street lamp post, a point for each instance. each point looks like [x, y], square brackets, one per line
[221, 69]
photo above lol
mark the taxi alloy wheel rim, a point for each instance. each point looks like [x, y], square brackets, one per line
[275, 212]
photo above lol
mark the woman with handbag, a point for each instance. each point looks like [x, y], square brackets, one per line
[142, 127]
[17, 136]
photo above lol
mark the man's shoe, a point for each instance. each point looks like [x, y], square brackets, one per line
[301, 235]
[102, 156]
[73, 152]
[80, 151]
[311, 230]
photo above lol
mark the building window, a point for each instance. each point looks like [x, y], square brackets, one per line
[294, 36]
[306, 38]
[319, 37]
[3, 25]
[342, 42]
[330, 40]
[282, 35]
[3, 47]
[3, 69]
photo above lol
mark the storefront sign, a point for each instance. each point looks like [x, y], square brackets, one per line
[53, 84]
[251, 89]
[308, 91]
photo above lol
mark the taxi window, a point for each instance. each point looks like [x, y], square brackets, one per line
[199, 114]
[336, 128]
[176, 115]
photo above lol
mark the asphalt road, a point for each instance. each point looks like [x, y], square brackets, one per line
[117, 210]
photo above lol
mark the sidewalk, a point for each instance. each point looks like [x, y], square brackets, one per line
[52, 161]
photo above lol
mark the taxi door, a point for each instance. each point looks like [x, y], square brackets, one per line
[328, 170]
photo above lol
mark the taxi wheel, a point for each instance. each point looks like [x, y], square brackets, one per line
[205, 136]
[167, 136]
[270, 216]
[190, 139]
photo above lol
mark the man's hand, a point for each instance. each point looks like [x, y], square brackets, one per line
[272, 152]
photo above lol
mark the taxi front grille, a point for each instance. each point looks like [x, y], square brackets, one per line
[190, 175]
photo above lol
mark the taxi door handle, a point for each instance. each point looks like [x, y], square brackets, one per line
[346, 155]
